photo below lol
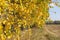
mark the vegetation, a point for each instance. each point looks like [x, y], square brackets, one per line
[17, 14]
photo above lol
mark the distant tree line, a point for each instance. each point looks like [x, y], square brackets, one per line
[53, 22]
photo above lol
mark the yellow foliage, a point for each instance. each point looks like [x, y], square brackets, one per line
[22, 13]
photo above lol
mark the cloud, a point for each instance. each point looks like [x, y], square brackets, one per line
[52, 4]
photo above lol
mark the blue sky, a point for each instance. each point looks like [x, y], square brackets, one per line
[54, 16]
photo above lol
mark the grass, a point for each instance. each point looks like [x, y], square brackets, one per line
[43, 34]
[53, 33]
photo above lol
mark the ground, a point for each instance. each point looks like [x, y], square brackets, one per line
[48, 32]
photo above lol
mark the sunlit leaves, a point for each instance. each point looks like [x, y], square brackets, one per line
[22, 13]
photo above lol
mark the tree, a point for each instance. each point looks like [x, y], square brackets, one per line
[22, 13]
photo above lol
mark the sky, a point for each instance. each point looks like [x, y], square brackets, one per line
[55, 11]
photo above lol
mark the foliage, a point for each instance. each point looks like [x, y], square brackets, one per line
[21, 13]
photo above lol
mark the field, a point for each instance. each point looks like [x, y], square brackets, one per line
[48, 32]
